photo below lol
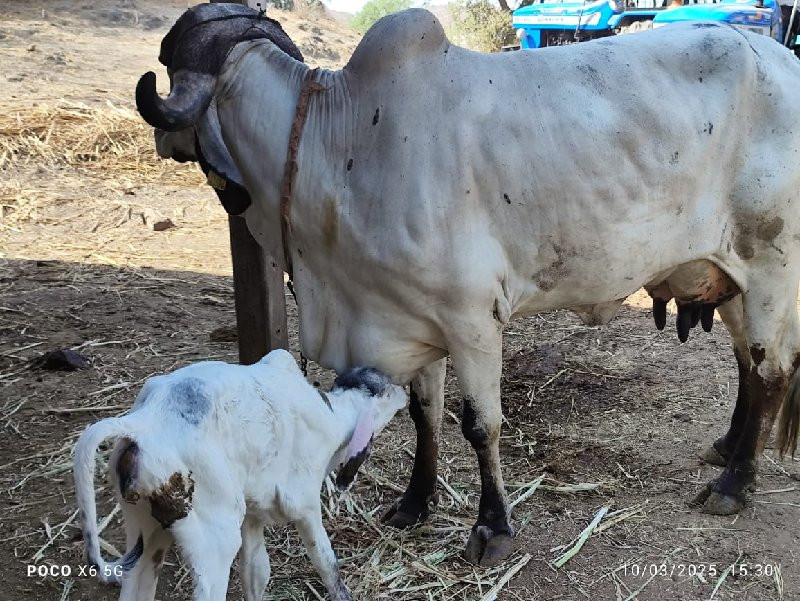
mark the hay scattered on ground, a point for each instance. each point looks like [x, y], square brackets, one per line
[77, 149]
[79, 135]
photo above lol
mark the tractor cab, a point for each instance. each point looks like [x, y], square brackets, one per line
[558, 22]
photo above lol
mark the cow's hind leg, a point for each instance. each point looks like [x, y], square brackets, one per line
[425, 406]
[720, 451]
[772, 331]
[478, 373]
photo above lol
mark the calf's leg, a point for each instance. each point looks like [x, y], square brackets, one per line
[139, 583]
[253, 560]
[318, 547]
[478, 372]
[208, 542]
[425, 406]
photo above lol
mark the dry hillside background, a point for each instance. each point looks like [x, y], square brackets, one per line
[596, 417]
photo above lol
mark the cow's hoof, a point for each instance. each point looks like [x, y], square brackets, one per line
[404, 515]
[719, 504]
[487, 549]
[714, 457]
[701, 497]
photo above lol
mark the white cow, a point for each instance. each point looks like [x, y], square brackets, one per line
[441, 192]
[212, 452]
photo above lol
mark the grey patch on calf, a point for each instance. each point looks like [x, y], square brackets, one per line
[189, 399]
[367, 379]
[172, 501]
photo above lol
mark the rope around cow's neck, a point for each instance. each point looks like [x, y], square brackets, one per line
[310, 86]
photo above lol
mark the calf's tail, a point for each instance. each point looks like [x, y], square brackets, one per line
[83, 474]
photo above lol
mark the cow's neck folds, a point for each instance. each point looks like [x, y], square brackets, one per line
[256, 112]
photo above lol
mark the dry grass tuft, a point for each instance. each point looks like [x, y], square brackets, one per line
[78, 135]
[53, 154]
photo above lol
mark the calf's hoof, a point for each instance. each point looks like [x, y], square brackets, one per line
[339, 592]
[487, 549]
[404, 514]
[714, 457]
[718, 503]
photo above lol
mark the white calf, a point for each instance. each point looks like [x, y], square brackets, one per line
[212, 453]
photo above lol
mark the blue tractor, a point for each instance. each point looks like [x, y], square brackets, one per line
[559, 22]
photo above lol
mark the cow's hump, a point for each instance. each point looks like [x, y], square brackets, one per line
[396, 40]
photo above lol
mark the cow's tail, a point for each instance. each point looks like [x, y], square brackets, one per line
[83, 473]
[789, 420]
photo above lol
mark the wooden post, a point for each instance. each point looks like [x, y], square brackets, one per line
[258, 291]
[259, 295]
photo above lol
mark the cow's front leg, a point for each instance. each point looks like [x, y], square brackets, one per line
[425, 406]
[478, 373]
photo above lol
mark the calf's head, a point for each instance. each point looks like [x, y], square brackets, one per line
[376, 400]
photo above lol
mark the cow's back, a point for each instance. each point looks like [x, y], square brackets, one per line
[529, 140]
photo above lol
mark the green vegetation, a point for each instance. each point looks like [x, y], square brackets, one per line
[374, 10]
[479, 25]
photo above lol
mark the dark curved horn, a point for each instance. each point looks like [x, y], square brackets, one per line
[189, 99]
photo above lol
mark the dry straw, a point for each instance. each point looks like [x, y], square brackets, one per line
[51, 154]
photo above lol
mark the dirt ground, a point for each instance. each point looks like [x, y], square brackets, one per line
[613, 417]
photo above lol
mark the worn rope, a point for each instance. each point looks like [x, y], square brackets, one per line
[310, 86]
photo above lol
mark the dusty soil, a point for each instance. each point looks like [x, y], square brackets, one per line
[620, 412]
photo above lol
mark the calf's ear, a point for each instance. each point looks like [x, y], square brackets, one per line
[358, 449]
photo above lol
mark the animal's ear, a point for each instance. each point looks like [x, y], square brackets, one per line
[358, 449]
[218, 165]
